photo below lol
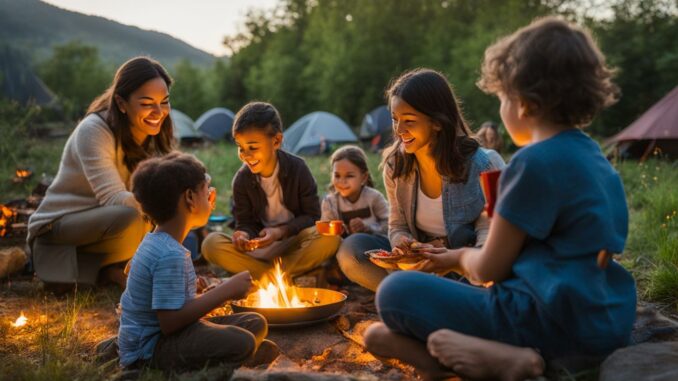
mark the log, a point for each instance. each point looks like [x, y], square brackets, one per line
[12, 260]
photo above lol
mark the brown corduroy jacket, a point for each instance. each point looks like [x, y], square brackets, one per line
[300, 196]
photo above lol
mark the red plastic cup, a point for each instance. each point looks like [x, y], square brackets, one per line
[489, 182]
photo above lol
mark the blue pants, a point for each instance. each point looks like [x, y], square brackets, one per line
[355, 264]
[417, 304]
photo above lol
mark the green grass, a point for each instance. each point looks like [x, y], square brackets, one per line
[652, 249]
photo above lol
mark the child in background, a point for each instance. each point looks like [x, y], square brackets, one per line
[561, 212]
[161, 323]
[363, 209]
[491, 143]
[488, 136]
[275, 204]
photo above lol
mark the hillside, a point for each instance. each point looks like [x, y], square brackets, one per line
[35, 27]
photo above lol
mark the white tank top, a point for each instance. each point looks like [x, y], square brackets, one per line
[429, 215]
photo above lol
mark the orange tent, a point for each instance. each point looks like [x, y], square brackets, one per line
[655, 131]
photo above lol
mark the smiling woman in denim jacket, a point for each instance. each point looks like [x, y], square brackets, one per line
[430, 174]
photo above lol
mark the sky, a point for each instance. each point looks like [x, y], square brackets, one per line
[201, 23]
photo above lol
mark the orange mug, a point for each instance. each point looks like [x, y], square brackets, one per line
[333, 227]
[489, 183]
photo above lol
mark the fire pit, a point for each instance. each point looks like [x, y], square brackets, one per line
[21, 175]
[7, 219]
[283, 304]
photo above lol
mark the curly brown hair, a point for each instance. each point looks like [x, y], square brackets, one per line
[159, 182]
[555, 67]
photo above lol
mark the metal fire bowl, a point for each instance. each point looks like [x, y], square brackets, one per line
[327, 304]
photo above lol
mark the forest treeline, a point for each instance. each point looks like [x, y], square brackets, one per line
[339, 55]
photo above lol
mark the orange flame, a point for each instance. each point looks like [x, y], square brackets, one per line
[20, 321]
[275, 291]
[6, 217]
[23, 173]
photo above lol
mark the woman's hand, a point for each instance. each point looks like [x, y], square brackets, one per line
[356, 225]
[269, 235]
[240, 240]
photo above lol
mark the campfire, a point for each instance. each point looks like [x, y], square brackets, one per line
[14, 216]
[284, 304]
[20, 321]
[21, 175]
[275, 291]
[7, 218]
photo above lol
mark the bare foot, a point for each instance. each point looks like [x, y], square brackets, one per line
[384, 344]
[477, 358]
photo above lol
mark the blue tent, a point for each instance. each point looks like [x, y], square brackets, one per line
[315, 132]
[377, 127]
[184, 127]
[216, 124]
[19, 83]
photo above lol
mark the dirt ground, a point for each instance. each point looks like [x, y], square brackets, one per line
[72, 325]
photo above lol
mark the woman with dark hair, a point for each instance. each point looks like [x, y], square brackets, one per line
[89, 220]
[430, 172]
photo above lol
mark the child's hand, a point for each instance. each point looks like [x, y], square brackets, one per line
[240, 239]
[356, 225]
[239, 285]
[439, 260]
[269, 235]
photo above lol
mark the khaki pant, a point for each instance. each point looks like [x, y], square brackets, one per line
[75, 247]
[302, 253]
[229, 339]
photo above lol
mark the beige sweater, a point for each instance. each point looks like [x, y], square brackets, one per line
[91, 174]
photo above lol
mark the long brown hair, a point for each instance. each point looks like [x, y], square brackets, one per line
[429, 92]
[130, 76]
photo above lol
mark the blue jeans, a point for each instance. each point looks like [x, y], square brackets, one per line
[417, 304]
[355, 264]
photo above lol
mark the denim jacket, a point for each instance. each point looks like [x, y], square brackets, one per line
[462, 205]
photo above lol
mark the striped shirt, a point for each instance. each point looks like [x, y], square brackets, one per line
[161, 277]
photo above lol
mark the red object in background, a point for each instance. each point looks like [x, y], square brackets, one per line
[333, 227]
[489, 182]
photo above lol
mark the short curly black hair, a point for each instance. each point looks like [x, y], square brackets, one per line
[159, 182]
[555, 67]
[258, 115]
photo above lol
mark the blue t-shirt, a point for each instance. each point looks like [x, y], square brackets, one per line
[161, 277]
[570, 201]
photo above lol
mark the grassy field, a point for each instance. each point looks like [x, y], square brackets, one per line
[63, 332]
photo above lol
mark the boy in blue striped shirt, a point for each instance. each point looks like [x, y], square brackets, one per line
[161, 323]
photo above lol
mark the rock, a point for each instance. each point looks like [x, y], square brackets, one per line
[12, 260]
[106, 350]
[649, 361]
[652, 326]
[283, 363]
